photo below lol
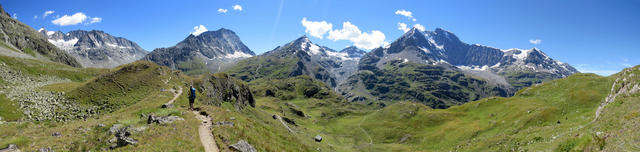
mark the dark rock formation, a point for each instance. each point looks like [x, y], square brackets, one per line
[220, 87]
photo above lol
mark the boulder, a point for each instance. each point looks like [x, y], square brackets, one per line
[48, 149]
[223, 123]
[167, 105]
[115, 128]
[318, 138]
[56, 134]
[10, 148]
[290, 121]
[162, 120]
[122, 138]
[243, 146]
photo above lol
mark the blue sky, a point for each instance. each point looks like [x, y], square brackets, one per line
[593, 36]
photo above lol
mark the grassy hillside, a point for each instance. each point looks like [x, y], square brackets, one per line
[123, 86]
[556, 115]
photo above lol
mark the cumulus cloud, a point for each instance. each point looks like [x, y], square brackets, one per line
[419, 27]
[316, 29]
[197, 30]
[221, 10]
[403, 27]
[406, 13]
[47, 13]
[535, 42]
[359, 39]
[74, 19]
[95, 20]
[237, 7]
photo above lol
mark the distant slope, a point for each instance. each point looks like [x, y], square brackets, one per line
[17, 36]
[96, 48]
[211, 51]
[431, 85]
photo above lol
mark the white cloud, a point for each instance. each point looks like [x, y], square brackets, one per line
[221, 10]
[535, 42]
[406, 13]
[47, 13]
[403, 27]
[74, 19]
[35, 17]
[15, 16]
[197, 30]
[419, 27]
[237, 7]
[95, 20]
[316, 29]
[358, 38]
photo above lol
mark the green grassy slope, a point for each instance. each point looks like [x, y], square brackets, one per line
[123, 86]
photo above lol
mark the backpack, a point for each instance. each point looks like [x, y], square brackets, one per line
[193, 93]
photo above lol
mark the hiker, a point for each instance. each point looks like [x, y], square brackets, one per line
[192, 97]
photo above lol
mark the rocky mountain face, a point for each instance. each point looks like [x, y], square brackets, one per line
[96, 48]
[301, 57]
[21, 40]
[507, 70]
[211, 51]
[441, 47]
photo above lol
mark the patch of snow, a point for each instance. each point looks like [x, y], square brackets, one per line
[496, 65]
[424, 50]
[49, 33]
[64, 45]
[340, 55]
[441, 47]
[405, 61]
[238, 54]
[315, 49]
[41, 29]
[474, 67]
[522, 55]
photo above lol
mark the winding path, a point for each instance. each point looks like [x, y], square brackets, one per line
[206, 136]
[204, 130]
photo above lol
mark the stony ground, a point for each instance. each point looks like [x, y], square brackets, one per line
[36, 103]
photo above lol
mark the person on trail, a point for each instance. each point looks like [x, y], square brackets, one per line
[192, 96]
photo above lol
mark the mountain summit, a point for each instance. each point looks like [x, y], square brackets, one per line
[211, 51]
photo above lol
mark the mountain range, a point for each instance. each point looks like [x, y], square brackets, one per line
[95, 48]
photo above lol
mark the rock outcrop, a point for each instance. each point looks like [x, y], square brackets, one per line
[220, 87]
